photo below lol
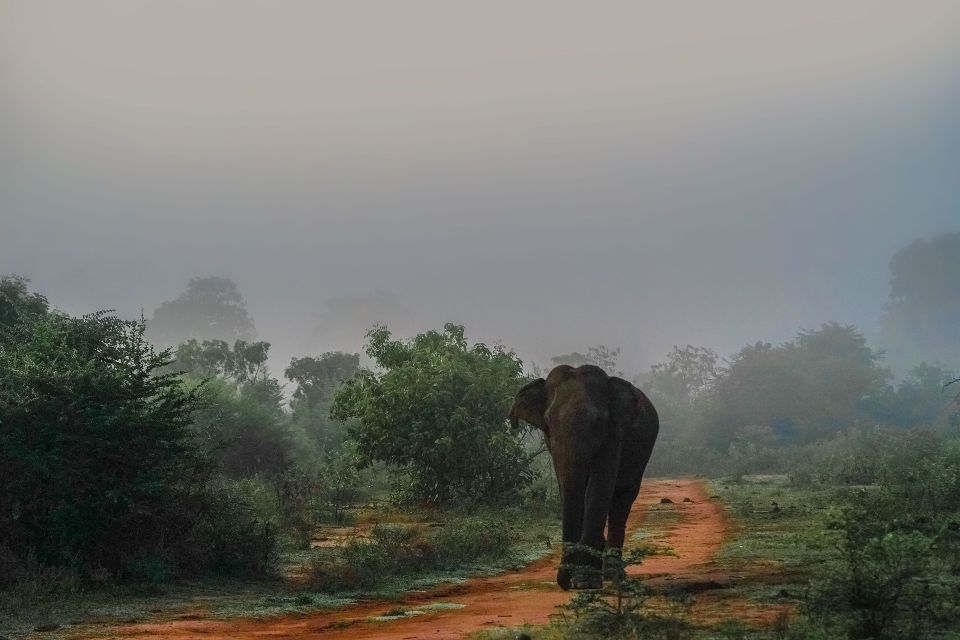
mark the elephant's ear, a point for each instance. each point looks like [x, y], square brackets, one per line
[632, 408]
[530, 404]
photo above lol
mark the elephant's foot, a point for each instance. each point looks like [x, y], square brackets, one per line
[591, 579]
[579, 577]
[564, 578]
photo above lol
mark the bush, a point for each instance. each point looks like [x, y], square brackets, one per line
[470, 540]
[228, 539]
[100, 468]
[895, 575]
[391, 550]
[24, 581]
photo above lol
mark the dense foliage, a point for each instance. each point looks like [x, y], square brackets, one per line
[808, 388]
[437, 410]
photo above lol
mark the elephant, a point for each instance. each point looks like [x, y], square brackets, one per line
[599, 431]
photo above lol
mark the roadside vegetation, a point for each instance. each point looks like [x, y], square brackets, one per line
[150, 460]
[133, 468]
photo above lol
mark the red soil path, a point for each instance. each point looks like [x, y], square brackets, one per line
[526, 596]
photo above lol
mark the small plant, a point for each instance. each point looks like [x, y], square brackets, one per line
[391, 550]
[617, 609]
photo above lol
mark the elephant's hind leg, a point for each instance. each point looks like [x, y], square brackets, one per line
[623, 498]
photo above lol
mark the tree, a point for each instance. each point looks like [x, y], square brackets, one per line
[211, 308]
[818, 383]
[244, 429]
[317, 379]
[242, 422]
[920, 399]
[437, 410]
[678, 384]
[922, 319]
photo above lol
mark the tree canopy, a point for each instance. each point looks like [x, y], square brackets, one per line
[821, 381]
[243, 362]
[317, 377]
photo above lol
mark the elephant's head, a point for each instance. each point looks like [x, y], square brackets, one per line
[564, 385]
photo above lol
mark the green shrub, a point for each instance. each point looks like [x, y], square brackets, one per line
[890, 579]
[99, 461]
[95, 449]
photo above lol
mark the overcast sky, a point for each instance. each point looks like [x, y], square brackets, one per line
[552, 175]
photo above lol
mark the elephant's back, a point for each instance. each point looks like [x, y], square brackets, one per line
[589, 378]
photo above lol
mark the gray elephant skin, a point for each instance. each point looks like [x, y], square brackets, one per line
[599, 431]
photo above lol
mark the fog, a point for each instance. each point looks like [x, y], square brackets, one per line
[550, 175]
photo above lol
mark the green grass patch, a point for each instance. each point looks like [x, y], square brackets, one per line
[778, 525]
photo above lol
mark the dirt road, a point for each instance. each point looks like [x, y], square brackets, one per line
[512, 599]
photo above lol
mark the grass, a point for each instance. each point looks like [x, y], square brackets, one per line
[781, 529]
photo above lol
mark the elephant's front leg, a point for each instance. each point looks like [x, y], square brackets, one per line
[599, 494]
[573, 494]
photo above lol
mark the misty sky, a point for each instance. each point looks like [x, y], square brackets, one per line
[551, 175]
